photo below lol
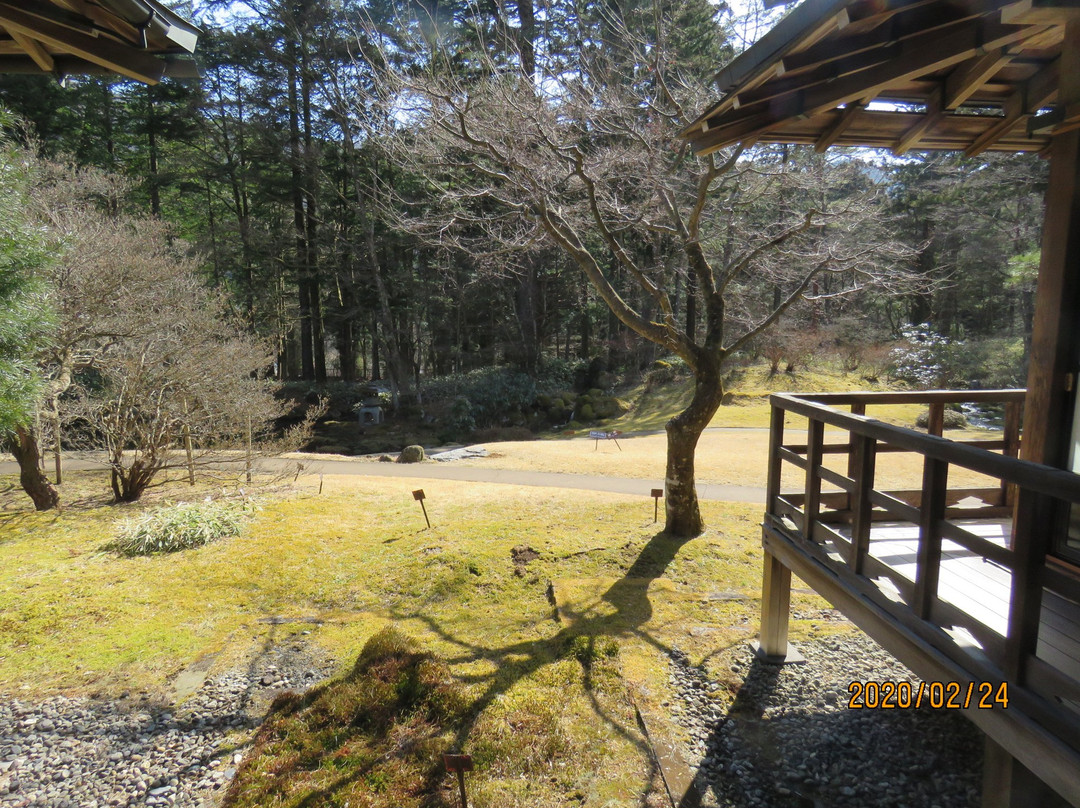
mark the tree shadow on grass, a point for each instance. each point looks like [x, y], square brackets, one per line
[622, 611]
[628, 596]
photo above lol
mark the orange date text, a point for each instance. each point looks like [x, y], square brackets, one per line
[901, 695]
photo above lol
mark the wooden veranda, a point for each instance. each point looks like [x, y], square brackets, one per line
[964, 583]
[933, 572]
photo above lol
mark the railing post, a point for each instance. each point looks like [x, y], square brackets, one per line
[932, 510]
[1011, 436]
[776, 440]
[857, 408]
[861, 465]
[935, 419]
[1033, 513]
[815, 440]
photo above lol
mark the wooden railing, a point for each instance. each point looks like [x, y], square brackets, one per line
[833, 530]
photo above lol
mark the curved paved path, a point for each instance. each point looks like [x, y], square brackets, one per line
[468, 471]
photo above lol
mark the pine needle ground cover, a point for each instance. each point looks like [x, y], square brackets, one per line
[553, 612]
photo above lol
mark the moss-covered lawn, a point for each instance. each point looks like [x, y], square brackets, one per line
[358, 558]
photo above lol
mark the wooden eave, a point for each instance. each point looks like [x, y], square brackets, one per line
[972, 76]
[139, 39]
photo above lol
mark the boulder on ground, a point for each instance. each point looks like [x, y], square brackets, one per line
[953, 420]
[411, 454]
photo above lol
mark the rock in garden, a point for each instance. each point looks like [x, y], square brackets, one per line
[411, 454]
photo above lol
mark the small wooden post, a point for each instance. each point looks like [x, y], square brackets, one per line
[188, 450]
[58, 455]
[247, 461]
[418, 495]
[459, 764]
[857, 408]
[656, 494]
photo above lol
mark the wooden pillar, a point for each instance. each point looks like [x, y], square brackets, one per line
[775, 609]
[1053, 368]
[1047, 411]
[1007, 783]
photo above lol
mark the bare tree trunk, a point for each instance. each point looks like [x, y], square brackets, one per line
[23, 444]
[681, 509]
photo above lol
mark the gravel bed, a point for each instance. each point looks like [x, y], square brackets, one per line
[790, 739]
[93, 752]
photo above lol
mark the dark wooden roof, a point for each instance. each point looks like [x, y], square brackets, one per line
[140, 39]
[966, 75]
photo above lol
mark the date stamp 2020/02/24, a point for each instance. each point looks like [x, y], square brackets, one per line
[901, 695]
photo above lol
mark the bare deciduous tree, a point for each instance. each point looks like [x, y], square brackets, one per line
[143, 353]
[582, 153]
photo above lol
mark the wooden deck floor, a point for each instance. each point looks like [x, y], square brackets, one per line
[981, 588]
[968, 581]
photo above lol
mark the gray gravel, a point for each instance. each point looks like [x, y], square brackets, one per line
[89, 753]
[790, 738]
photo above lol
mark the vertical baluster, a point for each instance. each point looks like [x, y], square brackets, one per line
[932, 509]
[857, 408]
[863, 461]
[815, 440]
[935, 424]
[776, 440]
[1033, 512]
[1012, 446]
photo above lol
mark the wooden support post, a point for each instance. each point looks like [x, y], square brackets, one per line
[775, 609]
[1007, 783]
[1050, 395]
[815, 440]
[928, 560]
[861, 467]
[1047, 410]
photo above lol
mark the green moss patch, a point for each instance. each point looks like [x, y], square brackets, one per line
[373, 737]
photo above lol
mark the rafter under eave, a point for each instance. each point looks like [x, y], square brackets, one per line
[1035, 93]
[949, 47]
[116, 57]
[42, 58]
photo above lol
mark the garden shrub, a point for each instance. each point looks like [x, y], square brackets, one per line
[182, 526]
[926, 359]
[491, 393]
[665, 371]
[556, 374]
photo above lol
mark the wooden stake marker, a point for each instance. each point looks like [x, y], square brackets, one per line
[457, 763]
[656, 494]
[418, 495]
